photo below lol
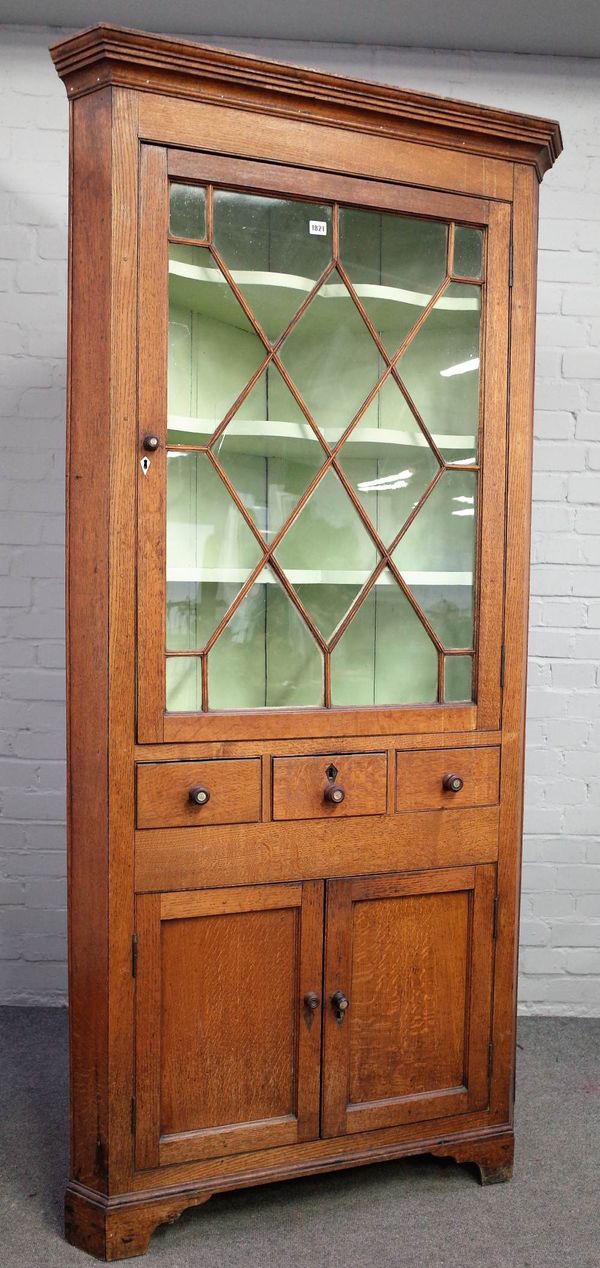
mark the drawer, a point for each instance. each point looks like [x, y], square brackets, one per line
[301, 785]
[163, 793]
[420, 778]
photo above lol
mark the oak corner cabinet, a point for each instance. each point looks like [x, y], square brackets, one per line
[300, 398]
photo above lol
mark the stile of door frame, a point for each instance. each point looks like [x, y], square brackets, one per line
[154, 724]
[494, 423]
[153, 306]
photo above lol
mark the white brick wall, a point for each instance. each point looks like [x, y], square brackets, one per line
[560, 962]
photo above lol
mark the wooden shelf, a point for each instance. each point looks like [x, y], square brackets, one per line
[330, 290]
[254, 435]
[315, 576]
[213, 296]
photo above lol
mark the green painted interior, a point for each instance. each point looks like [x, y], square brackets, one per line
[266, 654]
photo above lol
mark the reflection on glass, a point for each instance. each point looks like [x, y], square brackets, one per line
[458, 671]
[213, 348]
[210, 550]
[468, 251]
[436, 557]
[184, 684]
[385, 656]
[332, 358]
[187, 213]
[395, 263]
[275, 249]
[266, 655]
[440, 369]
[388, 461]
[269, 452]
[327, 553]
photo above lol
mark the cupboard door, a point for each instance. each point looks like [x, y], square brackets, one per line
[323, 393]
[408, 985]
[228, 1020]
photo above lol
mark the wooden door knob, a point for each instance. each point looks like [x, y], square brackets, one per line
[150, 443]
[452, 783]
[199, 795]
[340, 1003]
[312, 1001]
[334, 794]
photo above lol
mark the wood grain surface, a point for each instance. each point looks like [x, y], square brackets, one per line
[419, 778]
[163, 788]
[222, 977]
[196, 1064]
[300, 783]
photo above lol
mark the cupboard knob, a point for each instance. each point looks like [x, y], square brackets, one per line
[150, 443]
[312, 1001]
[452, 783]
[199, 796]
[334, 794]
[340, 1004]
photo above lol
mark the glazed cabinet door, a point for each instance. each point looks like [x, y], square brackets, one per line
[323, 395]
[228, 1018]
[407, 998]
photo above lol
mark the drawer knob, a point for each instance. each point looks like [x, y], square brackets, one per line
[334, 794]
[199, 795]
[452, 783]
[340, 1003]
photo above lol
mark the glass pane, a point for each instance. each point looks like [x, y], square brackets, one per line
[267, 456]
[210, 550]
[213, 349]
[436, 557]
[388, 461]
[440, 369]
[275, 249]
[332, 358]
[266, 655]
[468, 251]
[385, 656]
[395, 264]
[327, 554]
[458, 673]
[269, 452]
[187, 214]
[184, 684]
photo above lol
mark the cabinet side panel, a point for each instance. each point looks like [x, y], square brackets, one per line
[87, 626]
[522, 343]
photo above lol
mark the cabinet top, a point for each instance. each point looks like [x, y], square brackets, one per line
[111, 55]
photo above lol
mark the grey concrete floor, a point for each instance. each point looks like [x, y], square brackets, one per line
[424, 1213]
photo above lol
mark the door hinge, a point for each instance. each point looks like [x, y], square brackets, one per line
[495, 918]
[490, 1059]
[134, 955]
[502, 668]
[133, 1116]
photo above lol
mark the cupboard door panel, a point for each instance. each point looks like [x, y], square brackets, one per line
[227, 1051]
[413, 956]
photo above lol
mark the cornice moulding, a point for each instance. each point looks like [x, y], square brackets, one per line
[109, 55]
